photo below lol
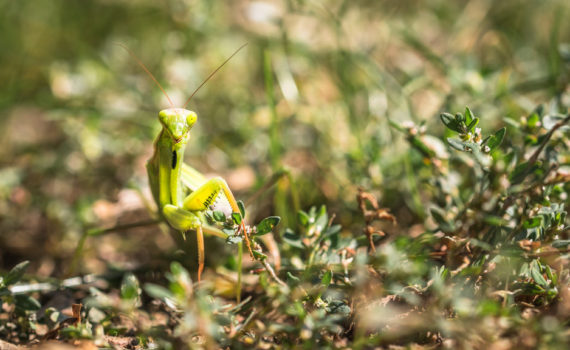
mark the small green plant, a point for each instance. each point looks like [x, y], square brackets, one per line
[21, 307]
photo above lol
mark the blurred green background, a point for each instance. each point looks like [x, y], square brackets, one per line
[313, 94]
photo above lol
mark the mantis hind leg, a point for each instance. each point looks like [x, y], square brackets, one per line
[201, 250]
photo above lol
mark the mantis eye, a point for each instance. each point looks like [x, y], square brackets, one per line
[191, 118]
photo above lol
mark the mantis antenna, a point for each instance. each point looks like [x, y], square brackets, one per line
[212, 74]
[148, 72]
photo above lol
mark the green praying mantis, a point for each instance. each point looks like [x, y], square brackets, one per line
[183, 195]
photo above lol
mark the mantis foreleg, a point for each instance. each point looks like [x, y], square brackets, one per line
[212, 193]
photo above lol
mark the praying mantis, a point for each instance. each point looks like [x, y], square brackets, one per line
[183, 195]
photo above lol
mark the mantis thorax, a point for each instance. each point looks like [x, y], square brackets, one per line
[177, 122]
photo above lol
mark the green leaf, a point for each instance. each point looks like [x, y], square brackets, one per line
[234, 239]
[552, 276]
[219, 216]
[396, 126]
[531, 139]
[339, 307]
[533, 120]
[322, 220]
[457, 144]
[419, 145]
[471, 271]
[228, 231]
[26, 302]
[519, 171]
[528, 288]
[180, 281]
[267, 224]
[533, 222]
[536, 274]
[179, 272]
[495, 220]
[16, 273]
[488, 308]
[129, 287]
[241, 207]
[332, 230]
[327, 278]
[293, 277]
[439, 216]
[259, 256]
[469, 117]
[495, 140]
[157, 292]
[451, 122]
[236, 218]
[303, 218]
[292, 239]
[473, 124]
[512, 122]
[322, 211]
[53, 315]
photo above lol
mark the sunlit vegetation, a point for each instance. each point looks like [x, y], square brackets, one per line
[416, 153]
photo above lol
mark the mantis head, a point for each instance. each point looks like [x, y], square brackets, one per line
[177, 122]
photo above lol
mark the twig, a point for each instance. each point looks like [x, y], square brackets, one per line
[370, 216]
[548, 253]
[75, 320]
[557, 126]
[247, 320]
[272, 273]
[534, 157]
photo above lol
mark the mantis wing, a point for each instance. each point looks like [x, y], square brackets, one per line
[191, 177]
